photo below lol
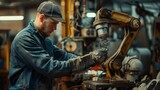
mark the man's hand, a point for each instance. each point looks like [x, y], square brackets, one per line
[84, 62]
[99, 55]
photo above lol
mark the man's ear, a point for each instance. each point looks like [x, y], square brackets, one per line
[41, 17]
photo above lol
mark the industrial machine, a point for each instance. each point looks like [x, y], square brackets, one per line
[118, 62]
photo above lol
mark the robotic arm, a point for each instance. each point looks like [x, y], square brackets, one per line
[132, 25]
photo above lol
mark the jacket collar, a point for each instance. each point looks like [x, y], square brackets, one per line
[34, 29]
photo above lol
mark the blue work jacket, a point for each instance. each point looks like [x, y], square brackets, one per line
[35, 61]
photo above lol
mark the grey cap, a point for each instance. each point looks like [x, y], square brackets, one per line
[50, 9]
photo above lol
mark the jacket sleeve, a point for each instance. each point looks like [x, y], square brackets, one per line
[34, 56]
[62, 55]
[58, 53]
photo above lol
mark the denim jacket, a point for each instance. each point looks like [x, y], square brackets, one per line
[35, 61]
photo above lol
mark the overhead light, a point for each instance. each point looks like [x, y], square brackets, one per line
[11, 18]
[91, 14]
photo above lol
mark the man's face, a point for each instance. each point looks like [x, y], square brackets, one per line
[48, 26]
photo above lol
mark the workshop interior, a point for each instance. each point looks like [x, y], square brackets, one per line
[130, 29]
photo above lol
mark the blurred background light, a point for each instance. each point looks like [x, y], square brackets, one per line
[91, 14]
[11, 18]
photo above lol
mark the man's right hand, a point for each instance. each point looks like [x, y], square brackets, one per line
[99, 55]
[82, 63]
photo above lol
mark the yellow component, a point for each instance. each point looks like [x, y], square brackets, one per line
[67, 7]
[108, 75]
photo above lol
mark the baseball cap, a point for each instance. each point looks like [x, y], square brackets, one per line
[50, 9]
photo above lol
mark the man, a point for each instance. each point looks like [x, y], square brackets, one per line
[35, 61]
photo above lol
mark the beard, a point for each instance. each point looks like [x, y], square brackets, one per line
[45, 30]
